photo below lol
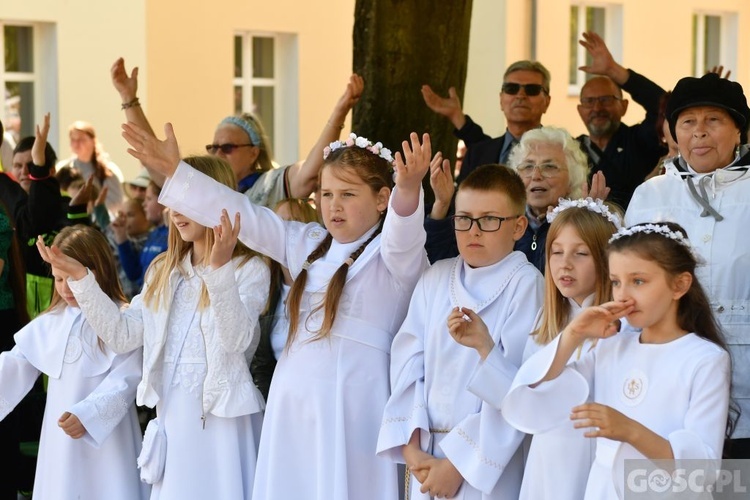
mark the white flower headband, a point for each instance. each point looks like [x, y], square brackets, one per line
[360, 142]
[661, 229]
[590, 204]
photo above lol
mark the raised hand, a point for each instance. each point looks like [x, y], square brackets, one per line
[71, 425]
[351, 95]
[602, 60]
[161, 157]
[225, 239]
[118, 228]
[719, 70]
[411, 168]
[54, 257]
[84, 195]
[599, 189]
[441, 181]
[38, 155]
[126, 86]
[468, 329]
[449, 107]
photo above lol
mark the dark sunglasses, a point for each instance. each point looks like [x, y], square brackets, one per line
[227, 149]
[530, 89]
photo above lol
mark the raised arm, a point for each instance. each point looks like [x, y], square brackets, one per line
[411, 168]
[127, 86]
[602, 62]
[594, 322]
[40, 143]
[449, 107]
[303, 176]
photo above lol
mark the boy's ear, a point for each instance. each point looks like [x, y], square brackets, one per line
[681, 285]
[521, 223]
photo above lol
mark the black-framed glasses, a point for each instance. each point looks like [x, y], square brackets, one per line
[227, 148]
[604, 100]
[526, 170]
[486, 224]
[530, 89]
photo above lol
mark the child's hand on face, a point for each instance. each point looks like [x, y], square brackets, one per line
[443, 479]
[70, 424]
[468, 329]
[54, 257]
[598, 322]
[604, 421]
[225, 239]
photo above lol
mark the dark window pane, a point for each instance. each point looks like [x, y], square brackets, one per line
[238, 57]
[262, 57]
[263, 108]
[19, 49]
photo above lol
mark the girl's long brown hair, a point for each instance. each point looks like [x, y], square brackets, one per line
[375, 172]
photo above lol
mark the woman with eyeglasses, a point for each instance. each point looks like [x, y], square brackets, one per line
[242, 142]
[551, 165]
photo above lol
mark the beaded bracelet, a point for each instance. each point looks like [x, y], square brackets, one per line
[134, 102]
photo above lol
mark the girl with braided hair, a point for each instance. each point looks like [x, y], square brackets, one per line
[353, 277]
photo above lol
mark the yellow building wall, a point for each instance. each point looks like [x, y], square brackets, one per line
[190, 59]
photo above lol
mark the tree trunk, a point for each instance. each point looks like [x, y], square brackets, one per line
[400, 45]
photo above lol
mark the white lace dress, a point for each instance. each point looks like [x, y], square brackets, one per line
[218, 457]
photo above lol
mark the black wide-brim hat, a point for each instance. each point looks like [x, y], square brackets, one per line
[708, 90]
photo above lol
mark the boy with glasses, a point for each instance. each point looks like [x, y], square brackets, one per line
[439, 420]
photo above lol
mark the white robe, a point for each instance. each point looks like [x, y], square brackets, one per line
[91, 382]
[679, 390]
[446, 391]
[723, 245]
[326, 397]
[547, 474]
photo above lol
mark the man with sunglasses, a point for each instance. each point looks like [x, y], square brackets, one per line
[624, 154]
[524, 98]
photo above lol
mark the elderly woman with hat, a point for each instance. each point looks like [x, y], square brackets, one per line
[706, 189]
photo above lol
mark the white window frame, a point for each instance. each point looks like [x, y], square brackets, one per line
[612, 37]
[285, 83]
[44, 70]
[728, 40]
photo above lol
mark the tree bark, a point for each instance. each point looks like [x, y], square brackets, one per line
[400, 45]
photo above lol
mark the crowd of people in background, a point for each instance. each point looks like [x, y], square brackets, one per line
[220, 326]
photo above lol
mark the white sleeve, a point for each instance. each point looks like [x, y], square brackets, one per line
[121, 330]
[201, 198]
[102, 410]
[402, 245]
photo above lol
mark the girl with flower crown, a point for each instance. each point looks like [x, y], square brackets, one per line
[576, 277]
[660, 392]
[353, 277]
